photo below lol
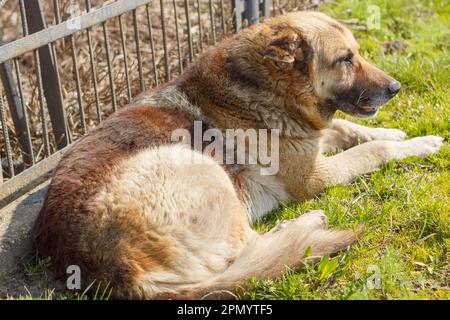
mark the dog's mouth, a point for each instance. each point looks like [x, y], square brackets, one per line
[367, 111]
[363, 107]
[361, 102]
[359, 110]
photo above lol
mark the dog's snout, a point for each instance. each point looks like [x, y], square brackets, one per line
[393, 88]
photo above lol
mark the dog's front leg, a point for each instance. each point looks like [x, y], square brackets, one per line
[343, 134]
[344, 167]
[304, 178]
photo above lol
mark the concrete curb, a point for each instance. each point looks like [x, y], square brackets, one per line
[16, 221]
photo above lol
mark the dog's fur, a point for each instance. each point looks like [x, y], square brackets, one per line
[125, 206]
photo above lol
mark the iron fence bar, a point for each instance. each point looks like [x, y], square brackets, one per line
[57, 11]
[177, 36]
[237, 6]
[24, 21]
[64, 29]
[78, 86]
[41, 102]
[200, 25]
[164, 32]
[25, 33]
[138, 51]
[28, 148]
[92, 64]
[55, 104]
[152, 44]
[125, 59]
[8, 148]
[188, 26]
[58, 79]
[212, 20]
[222, 17]
[108, 60]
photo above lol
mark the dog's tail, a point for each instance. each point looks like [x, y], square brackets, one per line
[268, 256]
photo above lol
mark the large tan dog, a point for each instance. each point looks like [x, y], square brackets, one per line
[128, 206]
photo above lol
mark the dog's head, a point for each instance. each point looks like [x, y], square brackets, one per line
[317, 59]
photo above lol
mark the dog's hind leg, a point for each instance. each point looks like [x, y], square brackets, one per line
[343, 134]
[271, 254]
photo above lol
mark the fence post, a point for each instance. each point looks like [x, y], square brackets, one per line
[237, 6]
[51, 85]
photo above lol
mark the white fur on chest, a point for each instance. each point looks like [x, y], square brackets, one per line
[264, 193]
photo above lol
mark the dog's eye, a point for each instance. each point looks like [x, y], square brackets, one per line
[347, 59]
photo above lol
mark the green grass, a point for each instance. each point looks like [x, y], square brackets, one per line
[404, 252]
[36, 265]
[93, 292]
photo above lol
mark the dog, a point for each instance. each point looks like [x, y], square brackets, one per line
[158, 218]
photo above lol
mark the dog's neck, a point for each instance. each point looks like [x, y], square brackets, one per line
[230, 102]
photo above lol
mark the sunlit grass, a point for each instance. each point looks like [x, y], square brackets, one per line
[405, 205]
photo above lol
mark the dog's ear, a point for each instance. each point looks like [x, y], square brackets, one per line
[286, 49]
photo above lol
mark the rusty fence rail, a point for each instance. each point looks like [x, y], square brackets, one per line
[48, 100]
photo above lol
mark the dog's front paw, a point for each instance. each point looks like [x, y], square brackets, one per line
[427, 145]
[420, 146]
[387, 134]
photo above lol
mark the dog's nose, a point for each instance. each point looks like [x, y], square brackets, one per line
[394, 88]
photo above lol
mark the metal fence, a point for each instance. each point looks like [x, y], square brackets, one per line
[68, 64]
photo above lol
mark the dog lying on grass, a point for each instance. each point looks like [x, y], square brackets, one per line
[161, 218]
